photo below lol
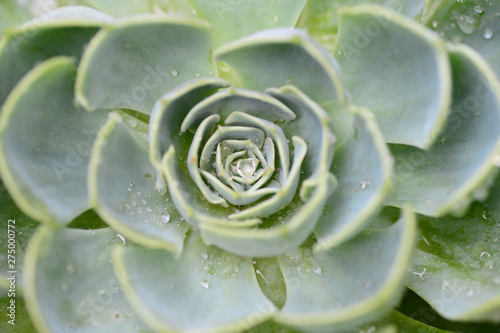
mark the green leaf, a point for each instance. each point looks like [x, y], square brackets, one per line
[157, 53]
[40, 39]
[348, 289]
[456, 265]
[321, 19]
[135, 7]
[315, 127]
[170, 111]
[277, 57]
[402, 323]
[461, 164]
[205, 290]
[13, 13]
[70, 285]
[286, 230]
[382, 49]
[474, 23]
[122, 187]
[233, 19]
[363, 166]
[46, 171]
[16, 230]
[22, 322]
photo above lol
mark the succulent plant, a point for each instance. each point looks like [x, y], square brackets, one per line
[250, 166]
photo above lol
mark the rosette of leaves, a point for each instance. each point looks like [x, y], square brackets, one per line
[213, 170]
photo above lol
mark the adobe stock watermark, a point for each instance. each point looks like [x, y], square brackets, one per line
[11, 271]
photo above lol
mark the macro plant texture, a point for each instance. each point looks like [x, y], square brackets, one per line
[250, 166]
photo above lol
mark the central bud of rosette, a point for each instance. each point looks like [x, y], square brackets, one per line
[238, 160]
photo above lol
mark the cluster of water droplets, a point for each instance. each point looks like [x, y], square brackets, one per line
[152, 207]
[467, 18]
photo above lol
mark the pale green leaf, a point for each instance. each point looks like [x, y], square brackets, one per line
[460, 165]
[473, 22]
[205, 290]
[46, 171]
[70, 283]
[363, 166]
[156, 54]
[122, 187]
[274, 58]
[40, 39]
[321, 18]
[348, 288]
[379, 51]
[233, 19]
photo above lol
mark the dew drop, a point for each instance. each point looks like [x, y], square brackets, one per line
[122, 238]
[132, 123]
[488, 33]
[478, 9]
[276, 19]
[165, 218]
[197, 75]
[174, 73]
[367, 284]
[318, 271]
[70, 268]
[205, 284]
[144, 202]
[364, 184]
[162, 190]
[435, 24]
[101, 292]
[204, 256]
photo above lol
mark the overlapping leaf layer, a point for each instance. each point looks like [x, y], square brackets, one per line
[250, 166]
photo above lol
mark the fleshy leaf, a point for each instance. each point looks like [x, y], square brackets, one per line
[315, 127]
[40, 39]
[157, 53]
[170, 110]
[474, 23]
[70, 283]
[456, 265]
[348, 289]
[46, 171]
[161, 288]
[460, 165]
[233, 19]
[382, 49]
[320, 18]
[363, 166]
[13, 13]
[402, 324]
[17, 230]
[122, 187]
[232, 99]
[277, 57]
[134, 7]
[290, 228]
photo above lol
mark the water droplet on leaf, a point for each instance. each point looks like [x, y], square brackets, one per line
[488, 33]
